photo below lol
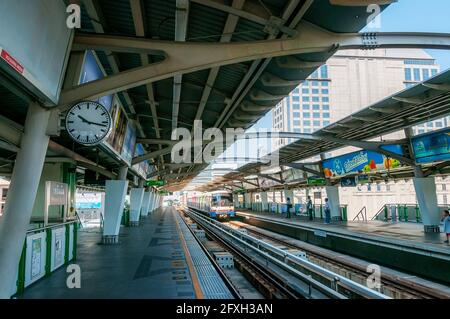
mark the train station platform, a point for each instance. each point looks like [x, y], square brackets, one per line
[159, 259]
[402, 246]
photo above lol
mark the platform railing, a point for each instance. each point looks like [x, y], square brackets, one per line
[401, 213]
[362, 215]
[46, 249]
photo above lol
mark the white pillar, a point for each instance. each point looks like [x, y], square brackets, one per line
[114, 204]
[145, 204]
[333, 199]
[151, 202]
[264, 201]
[136, 196]
[427, 199]
[21, 195]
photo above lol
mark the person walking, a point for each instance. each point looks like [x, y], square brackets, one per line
[446, 220]
[309, 208]
[327, 209]
[289, 207]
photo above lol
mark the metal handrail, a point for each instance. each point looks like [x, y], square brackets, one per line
[40, 229]
[362, 213]
[329, 275]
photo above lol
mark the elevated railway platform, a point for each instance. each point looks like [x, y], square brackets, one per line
[160, 259]
[402, 246]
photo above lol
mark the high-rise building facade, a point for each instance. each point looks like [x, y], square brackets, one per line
[350, 81]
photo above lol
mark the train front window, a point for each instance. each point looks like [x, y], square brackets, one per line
[221, 200]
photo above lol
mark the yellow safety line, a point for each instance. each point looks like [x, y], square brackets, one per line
[195, 282]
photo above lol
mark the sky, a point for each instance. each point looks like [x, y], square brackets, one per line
[408, 16]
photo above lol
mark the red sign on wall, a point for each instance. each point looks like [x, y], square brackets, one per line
[11, 61]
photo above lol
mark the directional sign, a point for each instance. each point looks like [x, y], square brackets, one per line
[155, 183]
[316, 181]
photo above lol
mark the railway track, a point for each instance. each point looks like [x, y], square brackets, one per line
[296, 277]
[391, 285]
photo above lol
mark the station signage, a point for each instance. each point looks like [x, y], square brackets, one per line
[155, 183]
[432, 147]
[361, 162]
[316, 181]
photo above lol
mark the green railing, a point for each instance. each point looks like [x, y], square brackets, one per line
[402, 213]
[46, 249]
[125, 218]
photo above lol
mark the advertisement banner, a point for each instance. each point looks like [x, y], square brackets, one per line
[361, 162]
[432, 147]
[88, 201]
[36, 257]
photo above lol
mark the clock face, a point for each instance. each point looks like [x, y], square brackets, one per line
[88, 123]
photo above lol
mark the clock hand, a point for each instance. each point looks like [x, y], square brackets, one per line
[84, 120]
[98, 124]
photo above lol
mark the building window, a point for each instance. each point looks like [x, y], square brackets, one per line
[315, 83]
[297, 114]
[444, 187]
[315, 91]
[388, 187]
[306, 130]
[316, 115]
[296, 106]
[439, 124]
[378, 188]
[324, 83]
[425, 74]
[305, 98]
[419, 62]
[326, 115]
[4, 193]
[297, 130]
[316, 123]
[434, 72]
[369, 187]
[444, 199]
[416, 74]
[296, 91]
[306, 106]
[325, 99]
[315, 99]
[306, 115]
[325, 123]
[316, 107]
[305, 91]
[408, 75]
[325, 91]
[306, 123]
[326, 107]
[324, 72]
[296, 123]
[296, 98]
[315, 75]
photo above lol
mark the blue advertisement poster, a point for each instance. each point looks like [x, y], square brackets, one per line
[91, 72]
[143, 167]
[361, 162]
[129, 143]
[432, 147]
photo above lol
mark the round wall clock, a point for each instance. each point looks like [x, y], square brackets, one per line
[88, 123]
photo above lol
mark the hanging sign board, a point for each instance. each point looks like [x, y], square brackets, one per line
[56, 194]
[316, 181]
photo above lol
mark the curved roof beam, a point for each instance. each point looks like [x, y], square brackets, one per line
[310, 39]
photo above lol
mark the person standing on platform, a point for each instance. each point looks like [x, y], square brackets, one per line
[289, 207]
[309, 208]
[446, 220]
[327, 209]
